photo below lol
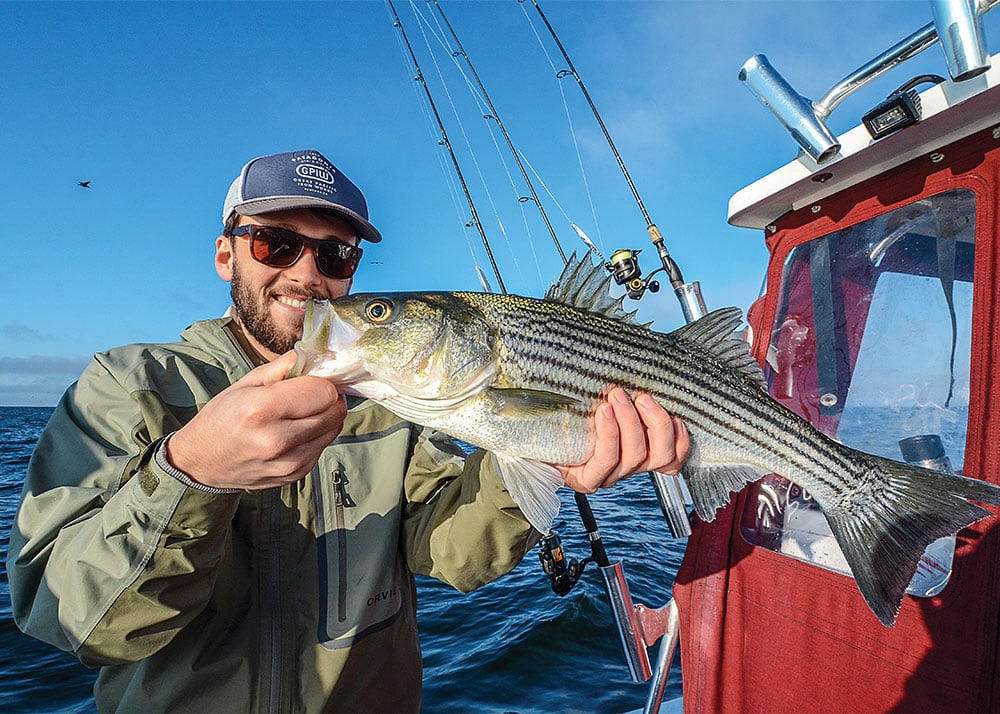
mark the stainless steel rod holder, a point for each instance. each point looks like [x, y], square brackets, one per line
[664, 660]
[673, 503]
[692, 303]
[627, 620]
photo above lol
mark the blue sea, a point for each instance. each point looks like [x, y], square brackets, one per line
[512, 646]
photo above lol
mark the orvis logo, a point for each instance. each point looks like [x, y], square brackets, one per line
[312, 171]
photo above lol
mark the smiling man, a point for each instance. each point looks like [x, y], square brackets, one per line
[217, 537]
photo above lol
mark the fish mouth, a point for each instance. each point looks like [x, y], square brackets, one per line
[324, 350]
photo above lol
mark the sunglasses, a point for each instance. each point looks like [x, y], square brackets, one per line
[281, 248]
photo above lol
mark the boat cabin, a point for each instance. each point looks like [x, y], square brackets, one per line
[880, 324]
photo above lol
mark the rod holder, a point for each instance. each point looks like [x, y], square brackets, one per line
[960, 31]
[692, 303]
[795, 112]
[664, 659]
[627, 621]
[673, 503]
[639, 626]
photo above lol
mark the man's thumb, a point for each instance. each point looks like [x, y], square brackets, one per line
[274, 371]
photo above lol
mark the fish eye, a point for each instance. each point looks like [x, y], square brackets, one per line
[378, 310]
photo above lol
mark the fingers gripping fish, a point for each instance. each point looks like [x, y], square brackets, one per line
[522, 378]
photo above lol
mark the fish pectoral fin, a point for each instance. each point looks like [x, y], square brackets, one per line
[711, 486]
[530, 402]
[532, 485]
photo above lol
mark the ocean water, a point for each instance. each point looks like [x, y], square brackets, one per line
[511, 646]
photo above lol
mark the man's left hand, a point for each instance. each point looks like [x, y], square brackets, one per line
[632, 437]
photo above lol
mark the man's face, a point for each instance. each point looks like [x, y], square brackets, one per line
[270, 302]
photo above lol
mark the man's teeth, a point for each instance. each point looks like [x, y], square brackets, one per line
[292, 302]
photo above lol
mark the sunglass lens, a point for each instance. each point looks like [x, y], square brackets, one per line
[338, 260]
[275, 248]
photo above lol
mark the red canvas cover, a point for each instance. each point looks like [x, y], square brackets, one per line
[761, 632]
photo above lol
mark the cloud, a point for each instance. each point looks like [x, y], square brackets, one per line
[42, 366]
[38, 380]
[21, 332]
[39, 395]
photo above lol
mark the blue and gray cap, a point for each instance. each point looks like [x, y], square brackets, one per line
[298, 179]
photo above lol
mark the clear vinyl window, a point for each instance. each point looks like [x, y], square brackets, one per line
[871, 343]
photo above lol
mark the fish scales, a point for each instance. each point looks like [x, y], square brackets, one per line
[522, 378]
[594, 345]
[676, 373]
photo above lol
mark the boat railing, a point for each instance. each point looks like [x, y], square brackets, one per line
[957, 26]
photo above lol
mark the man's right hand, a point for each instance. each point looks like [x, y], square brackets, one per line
[262, 431]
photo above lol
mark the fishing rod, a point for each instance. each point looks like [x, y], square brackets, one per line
[495, 116]
[624, 267]
[669, 266]
[634, 622]
[447, 144]
[639, 626]
[563, 573]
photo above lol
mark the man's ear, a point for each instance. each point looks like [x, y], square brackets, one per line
[224, 257]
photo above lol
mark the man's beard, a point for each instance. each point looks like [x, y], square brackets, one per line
[255, 318]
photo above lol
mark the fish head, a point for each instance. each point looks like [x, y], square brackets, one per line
[425, 345]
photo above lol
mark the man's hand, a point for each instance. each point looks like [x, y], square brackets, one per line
[261, 431]
[632, 437]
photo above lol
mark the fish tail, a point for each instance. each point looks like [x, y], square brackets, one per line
[884, 531]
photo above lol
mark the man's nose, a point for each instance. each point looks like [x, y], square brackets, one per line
[305, 271]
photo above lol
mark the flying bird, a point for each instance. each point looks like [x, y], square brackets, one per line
[84, 184]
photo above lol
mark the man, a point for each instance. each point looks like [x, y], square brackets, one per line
[219, 538]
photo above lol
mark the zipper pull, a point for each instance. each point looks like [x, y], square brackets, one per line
[340, 481]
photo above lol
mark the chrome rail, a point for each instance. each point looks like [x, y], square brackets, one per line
[957, 26]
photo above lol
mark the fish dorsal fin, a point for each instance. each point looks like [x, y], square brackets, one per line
[714, 332]
[586, 286]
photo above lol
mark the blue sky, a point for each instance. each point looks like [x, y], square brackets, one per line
[158, 105]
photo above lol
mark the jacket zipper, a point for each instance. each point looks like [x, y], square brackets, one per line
[342, 500]
[274, 596]
[270, 606]
[270, 503]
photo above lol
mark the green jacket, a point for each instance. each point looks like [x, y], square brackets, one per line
[299, 598]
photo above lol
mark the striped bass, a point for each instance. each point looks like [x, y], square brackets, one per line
[522, 377]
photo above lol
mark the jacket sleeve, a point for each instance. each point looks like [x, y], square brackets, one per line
[461, 525]
[109, 555]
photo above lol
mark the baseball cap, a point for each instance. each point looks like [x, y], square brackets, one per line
[298, 179]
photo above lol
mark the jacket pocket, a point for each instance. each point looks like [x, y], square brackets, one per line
[358, 508]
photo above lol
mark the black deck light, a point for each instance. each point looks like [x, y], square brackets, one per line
[899, 111]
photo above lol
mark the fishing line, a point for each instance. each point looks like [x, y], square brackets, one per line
[598, 553]
[447, 175]
[558, 205]
[422, 22]
[444, 136]
[488, 112]
[669, 266]
[572, 129]
[496, 117]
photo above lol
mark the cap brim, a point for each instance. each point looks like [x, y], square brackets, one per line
[256, 207]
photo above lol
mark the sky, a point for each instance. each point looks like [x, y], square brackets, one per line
[159, 104]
